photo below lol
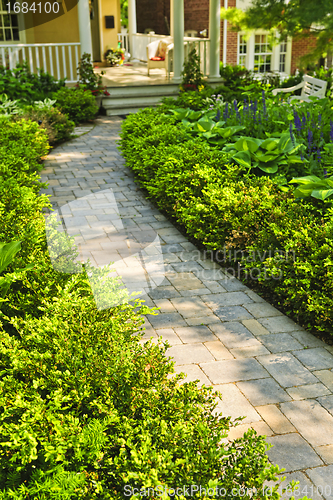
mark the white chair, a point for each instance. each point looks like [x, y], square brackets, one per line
[310, 87]
[158, 56]
[190, 33]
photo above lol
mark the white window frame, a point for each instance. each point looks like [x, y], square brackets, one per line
[21, 24]
[275, 61]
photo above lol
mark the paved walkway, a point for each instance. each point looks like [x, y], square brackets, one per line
[267, 367]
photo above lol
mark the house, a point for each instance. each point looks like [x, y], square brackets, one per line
[254, 53]
[54, 34]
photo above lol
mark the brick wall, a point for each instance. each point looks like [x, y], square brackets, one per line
[151, 14]
[300, 47]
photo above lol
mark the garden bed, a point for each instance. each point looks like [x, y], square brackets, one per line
[85, 409]
[226, 174]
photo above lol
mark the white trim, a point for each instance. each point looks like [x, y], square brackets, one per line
[225, 36]
[100, 26]
[275, 61]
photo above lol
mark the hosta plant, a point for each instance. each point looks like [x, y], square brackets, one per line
[271, 155]
[314, 186]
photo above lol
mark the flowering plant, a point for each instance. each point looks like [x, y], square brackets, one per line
[88, 79]
[114, 56]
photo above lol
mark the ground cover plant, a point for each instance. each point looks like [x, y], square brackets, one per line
[278, 242]
[85, 409]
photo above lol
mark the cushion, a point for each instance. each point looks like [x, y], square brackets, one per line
[162, 48]
[152, 49]
[157, 58]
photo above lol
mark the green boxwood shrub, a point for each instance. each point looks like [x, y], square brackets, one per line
[220, 205]
[57, 125]
[79, 104]
[20, 83]
[85, 409]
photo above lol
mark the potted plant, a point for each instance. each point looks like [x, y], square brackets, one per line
[115, 57]
[192, 76]
[89, 80]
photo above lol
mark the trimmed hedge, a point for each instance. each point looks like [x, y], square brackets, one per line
[221, 206]
[85, 409]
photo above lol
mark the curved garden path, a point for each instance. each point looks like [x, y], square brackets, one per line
[266, 366]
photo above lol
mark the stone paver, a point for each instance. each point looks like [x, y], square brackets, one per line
[234, 404]
[275, 419]
[311, 420]
[263, 391]
[287, 370]
[292, 452]
[222, 372]
[221, 333]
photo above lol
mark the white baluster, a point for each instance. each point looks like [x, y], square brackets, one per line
[57, 61]
[64, 65]
[31, 61]
[51, 61]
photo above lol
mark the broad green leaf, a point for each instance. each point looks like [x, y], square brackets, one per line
[268, 157]
[269, 169]
[295, 159]
[194, 115]
[329, 181]
[270, 144]
[243, 158]
[246, 144]
[181, 113]
[302, 192]
[321, 194]
[7, 253]
[229, 131]
[285, 145]
[205, 124]
[305, 180]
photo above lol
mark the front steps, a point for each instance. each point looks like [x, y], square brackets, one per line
[125, 100]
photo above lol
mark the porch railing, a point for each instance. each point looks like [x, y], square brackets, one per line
[58, 59]
[123, 38]
[139, 50]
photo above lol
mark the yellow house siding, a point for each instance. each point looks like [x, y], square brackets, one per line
[109, 37]
[63, 29]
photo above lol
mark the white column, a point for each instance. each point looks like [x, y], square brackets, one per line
[214, 36]
[225, 36]
[171, 17]
[132, 29]
[178, 39]
[84, 26]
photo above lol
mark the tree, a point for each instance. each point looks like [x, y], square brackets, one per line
[283, 18]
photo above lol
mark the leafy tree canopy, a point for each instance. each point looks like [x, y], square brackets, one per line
[283, 18]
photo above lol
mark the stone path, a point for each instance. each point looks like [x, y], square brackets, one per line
[267, 368]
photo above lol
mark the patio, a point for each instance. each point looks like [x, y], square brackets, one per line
[132, 74]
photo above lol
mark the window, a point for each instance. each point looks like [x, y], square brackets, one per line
[242, 51]
[262, 54]
[283, 55]
[9, 28]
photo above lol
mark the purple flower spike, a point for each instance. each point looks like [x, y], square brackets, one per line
[236, 110]
[310, 140]
[291, 134]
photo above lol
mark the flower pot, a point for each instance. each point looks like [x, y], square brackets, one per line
[190, 86]
[99, 100]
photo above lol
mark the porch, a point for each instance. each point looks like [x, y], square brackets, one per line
[131, 88]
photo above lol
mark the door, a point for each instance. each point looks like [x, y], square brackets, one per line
[94, 26]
